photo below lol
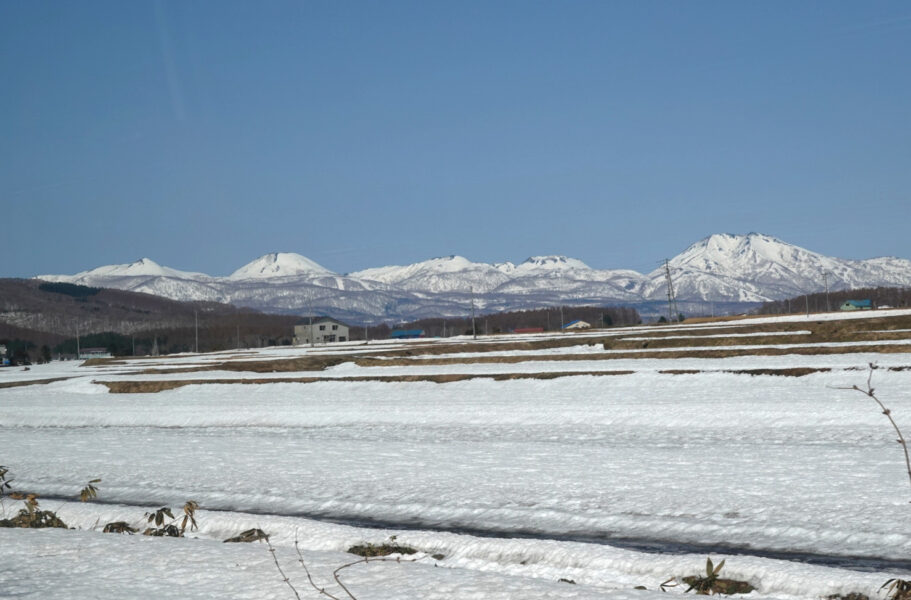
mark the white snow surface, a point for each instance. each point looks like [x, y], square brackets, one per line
[714, 462]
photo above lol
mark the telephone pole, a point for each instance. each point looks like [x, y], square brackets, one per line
[310, 311]
[474, 330]
[196, 322]
[825, 279]
[672, 313]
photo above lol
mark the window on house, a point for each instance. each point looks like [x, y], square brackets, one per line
[334, 327]
[322, 328]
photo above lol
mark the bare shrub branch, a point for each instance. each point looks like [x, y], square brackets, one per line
[870, 393]
[307, 571]
[279, 567]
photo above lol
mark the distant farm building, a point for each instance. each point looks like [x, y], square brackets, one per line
[320, 330]
[577, 324]
[406, 334]
[528, 330]
[856, 305]
[94, 353]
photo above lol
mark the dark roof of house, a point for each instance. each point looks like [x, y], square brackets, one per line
[306, 321]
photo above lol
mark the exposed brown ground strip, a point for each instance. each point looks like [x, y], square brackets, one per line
[138, 387]
[11, 384]
[147, 387]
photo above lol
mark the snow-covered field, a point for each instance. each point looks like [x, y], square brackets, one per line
[610, 481]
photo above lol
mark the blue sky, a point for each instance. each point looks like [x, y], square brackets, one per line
[360, 134]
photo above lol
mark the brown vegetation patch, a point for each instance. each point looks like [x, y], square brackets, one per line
[278, 365]
[10, 384]
[785, 372]
[728, 352]
[104, 362]
[384, 549]
[505, 346]
[151, 387]
[34, 519]
[848, 596]
[720, 586]
[285, 365]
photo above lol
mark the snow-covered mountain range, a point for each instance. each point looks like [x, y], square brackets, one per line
[721, 268]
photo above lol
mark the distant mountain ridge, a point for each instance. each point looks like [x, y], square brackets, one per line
[722, 268]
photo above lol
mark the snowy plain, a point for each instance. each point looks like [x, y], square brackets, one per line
[611, 481]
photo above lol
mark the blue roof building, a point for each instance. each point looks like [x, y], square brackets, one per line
[856, 305]
[406, 334]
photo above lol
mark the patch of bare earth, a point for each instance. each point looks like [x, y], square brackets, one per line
[146, 387]
[11, 384]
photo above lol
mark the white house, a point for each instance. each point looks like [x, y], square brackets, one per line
[577, 324]
[324, 330]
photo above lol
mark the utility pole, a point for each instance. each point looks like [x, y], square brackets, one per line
[133, 340]
[196, 321]
[825, 279]
[474, 330]
[366, 337]
[806, 298]
[672, 313]
[237, 336]
[310, 312]
[562, 322]
[77, 341]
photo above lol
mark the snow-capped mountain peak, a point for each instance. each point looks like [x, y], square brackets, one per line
[505, 267]
[551, 263]
[279, 264]
[723, 267]
[144, 267]
[444, 274]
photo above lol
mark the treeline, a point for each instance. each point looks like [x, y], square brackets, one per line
[68, 289]
[39, 318]
[880, 297]
[548, 319]
[213, 334]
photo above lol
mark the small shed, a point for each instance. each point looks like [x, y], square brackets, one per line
[94, 353]
[856, 305]
[406, 334]
[577, 324]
